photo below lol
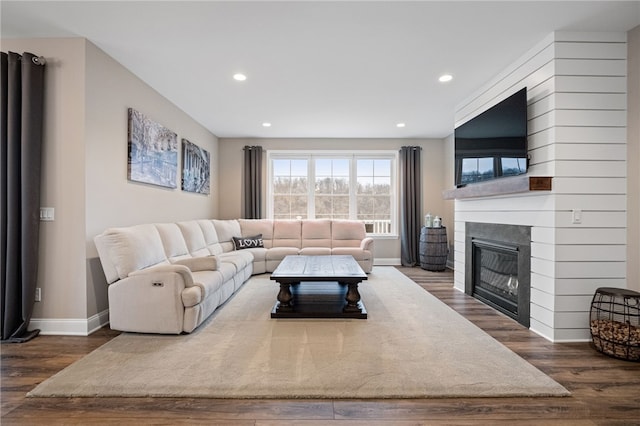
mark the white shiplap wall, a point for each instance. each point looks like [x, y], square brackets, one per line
[577, 134]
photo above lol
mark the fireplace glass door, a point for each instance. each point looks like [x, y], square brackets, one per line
[495, 275]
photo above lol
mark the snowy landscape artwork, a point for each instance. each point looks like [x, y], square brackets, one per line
[196, 168]
[153, 152]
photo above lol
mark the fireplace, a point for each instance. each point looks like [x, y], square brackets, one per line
[498, 267]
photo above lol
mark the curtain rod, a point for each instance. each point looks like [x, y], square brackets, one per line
[39, 60]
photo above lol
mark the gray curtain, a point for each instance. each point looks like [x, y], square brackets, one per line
[410, 204]
[20, 164]
[252, 182]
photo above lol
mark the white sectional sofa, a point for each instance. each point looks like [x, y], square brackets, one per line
[169, 277]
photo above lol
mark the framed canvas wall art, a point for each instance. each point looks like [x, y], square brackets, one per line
[153, 152]
[196, 168]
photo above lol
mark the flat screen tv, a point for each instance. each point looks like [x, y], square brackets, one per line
[493, 144]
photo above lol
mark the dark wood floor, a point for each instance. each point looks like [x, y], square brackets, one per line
[605, 391]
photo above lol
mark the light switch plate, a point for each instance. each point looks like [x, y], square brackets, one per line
[47, 213]
[576, 216]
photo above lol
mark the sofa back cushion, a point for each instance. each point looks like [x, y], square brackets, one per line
[347, 233]
[175, 248]
[210, 236]
[287, 233]
[264, 227]
[316, 233]
[194, 238]
[125, 250]
[226, 230]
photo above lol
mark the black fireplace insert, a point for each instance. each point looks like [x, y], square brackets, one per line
[495, 270]
[498, 267]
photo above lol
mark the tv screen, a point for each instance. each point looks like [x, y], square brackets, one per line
[494, 143]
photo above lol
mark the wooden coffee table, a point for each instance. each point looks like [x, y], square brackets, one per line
[319, 287]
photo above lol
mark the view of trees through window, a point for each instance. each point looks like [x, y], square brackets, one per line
[290, 188]
[374, 193]
[334, 187]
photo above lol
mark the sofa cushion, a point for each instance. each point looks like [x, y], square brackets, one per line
[287, 233]
[227, 269]
[210, 236]
[258, 226]
[226, 230]
[126, 250]
[194, 238]
[316, 233]
[259, 259]
[239, 259]
[279, 253]
[175, 247]
[241, 243]
[315, 251]
[347, 233]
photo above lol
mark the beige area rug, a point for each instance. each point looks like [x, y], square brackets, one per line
[411, 346]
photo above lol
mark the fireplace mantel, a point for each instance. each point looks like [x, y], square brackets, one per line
[510, 185]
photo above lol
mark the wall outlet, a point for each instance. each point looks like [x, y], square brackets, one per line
[38, 294]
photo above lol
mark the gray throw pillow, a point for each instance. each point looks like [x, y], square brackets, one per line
[248, 242]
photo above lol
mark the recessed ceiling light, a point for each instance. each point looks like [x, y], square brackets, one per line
[445, 77]
[239, 77]
[266, 124]
[400, 125]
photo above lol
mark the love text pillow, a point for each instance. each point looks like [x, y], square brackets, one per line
[248, 242]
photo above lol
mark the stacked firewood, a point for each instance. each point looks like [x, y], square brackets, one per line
[615, 338]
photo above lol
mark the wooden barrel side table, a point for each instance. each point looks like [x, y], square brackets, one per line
[434, 248]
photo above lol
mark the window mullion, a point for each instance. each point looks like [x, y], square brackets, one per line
[353, 183]
[311, 193]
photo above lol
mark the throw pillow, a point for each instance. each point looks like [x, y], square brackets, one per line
[248, 242]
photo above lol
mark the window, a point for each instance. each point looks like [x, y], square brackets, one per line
[289, 187]
[332, 191]
[335, 185]
[374, 194]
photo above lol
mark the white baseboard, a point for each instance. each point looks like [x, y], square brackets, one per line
[386, 261]
[70, 327]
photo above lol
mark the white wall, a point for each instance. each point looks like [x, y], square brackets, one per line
[577, 134]
[386, 250]
[85, 175]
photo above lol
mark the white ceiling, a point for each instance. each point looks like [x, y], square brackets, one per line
[315, 68]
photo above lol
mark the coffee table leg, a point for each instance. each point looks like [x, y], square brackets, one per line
[353, 297]
[284, 297]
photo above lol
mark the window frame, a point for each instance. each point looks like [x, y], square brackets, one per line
[352, 156]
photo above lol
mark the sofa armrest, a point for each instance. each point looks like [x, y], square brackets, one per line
[367, 244]
[159, 270]
[204, 263]
[156, 275]
[150, 300]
